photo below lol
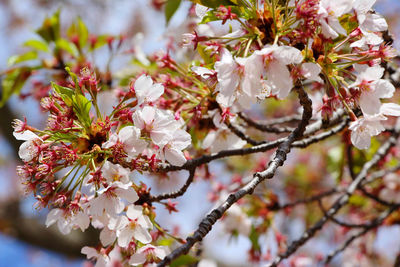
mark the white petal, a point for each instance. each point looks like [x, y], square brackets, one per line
[137, 259]
[53, 216]
[107, 236]
[134, 211]
[128, 194]
[279, 82]
[369, 103]
[311, 71]
[142, 235]
[288, 55]
[125, 236]
[384, 89]
[390, 109]
[175, 156]
[90, 252]
[26, 135]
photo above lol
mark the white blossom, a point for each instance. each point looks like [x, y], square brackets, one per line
[31, 147]
[109, 199]
[372, 87]
[133, 226]
[159, 124]
[222, 138]
[115, 172]
[129, 136]
[172, 150]
[148, 253]
[278, 80]
[66, 221]
[102, 260]
[329, 13]
[147, 91]
[364, 128]
[238, 79]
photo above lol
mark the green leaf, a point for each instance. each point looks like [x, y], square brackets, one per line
[83, 33]
[50, 30]
[254, 236]
[21, 58]
[79, 30]
[82, 106]
[38, 45]
[74, 77]
[170, 8]
[67, 46]
[183, 260]
[65, 93]
[13, 82]
[101, 41]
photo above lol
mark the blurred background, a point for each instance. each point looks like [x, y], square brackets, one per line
[24, 239]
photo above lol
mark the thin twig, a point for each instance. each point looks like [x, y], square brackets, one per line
[343, 200]
[270, 126]
[374, 224]
[177, 193]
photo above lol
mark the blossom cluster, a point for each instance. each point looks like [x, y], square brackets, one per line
[96, 189]
[81, 165]
[345, 62]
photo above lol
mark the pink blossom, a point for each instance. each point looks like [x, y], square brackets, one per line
[148, 253]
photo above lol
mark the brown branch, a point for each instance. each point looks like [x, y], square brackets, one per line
[310, 130]
[306, 200]
[270, 126]
[243, 136]
[372, 225]
[278, 159]
[177, 193]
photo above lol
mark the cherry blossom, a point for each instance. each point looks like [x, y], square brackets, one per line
[133, 226]
[368, 126]
[238, 79]
[115, 172]
[102, 260]
[372, 88]
[237, 220]
[147, 91]
[159, 124]
[109, 199]
[329, 13]
[148, 253]
[129, 137]
[172, 150]
[66, 221]
[278, 79]
[222, 138]
[391, 191]
[29, 149]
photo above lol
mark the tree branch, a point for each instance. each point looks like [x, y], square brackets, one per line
[278, 159]
[372, 225]
[343, 200]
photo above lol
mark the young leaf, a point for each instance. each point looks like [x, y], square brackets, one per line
[65, 93]
[21, 58]
[67, 46]
[170, 8]
[13, 82]
[37, 45]
[82, 107]
[50, 30]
